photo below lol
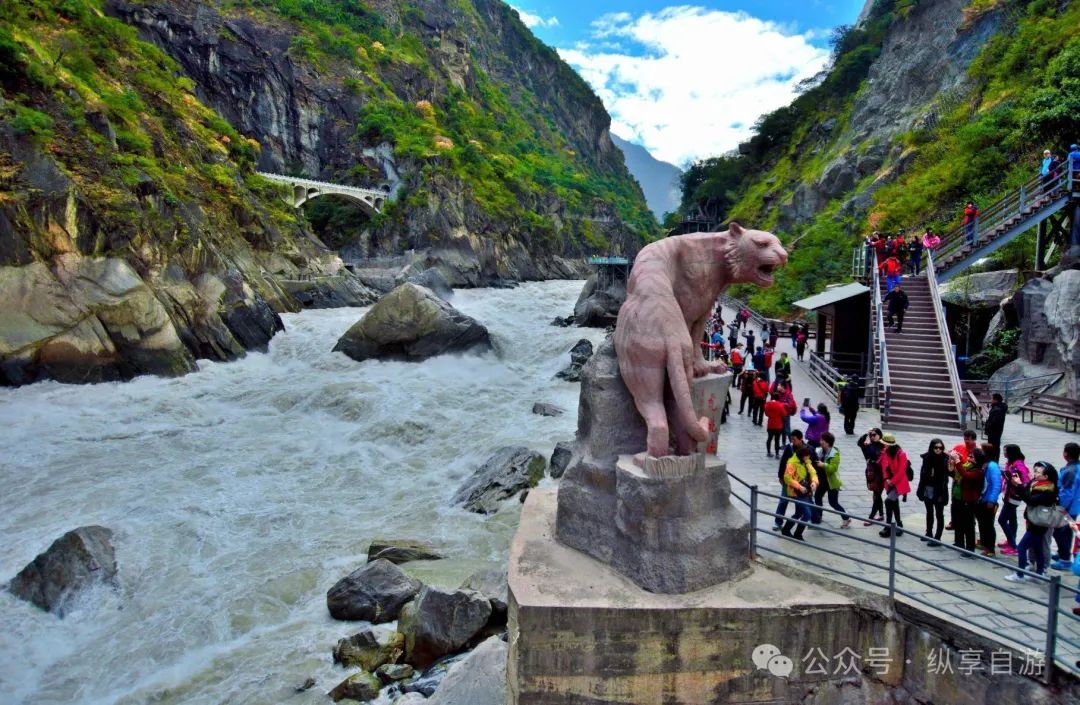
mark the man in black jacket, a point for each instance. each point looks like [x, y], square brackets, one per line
[898, 303]
[995, 423]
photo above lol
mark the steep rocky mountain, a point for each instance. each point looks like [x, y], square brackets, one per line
[659, 180]
[136, 237]
[926, 105]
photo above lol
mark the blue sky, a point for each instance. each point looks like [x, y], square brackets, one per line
[689, 80]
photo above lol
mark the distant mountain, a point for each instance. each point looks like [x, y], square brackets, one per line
[659, 180]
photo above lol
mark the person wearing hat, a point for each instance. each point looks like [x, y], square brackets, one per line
[1047, 168]
[894, 464]
[1074, 160]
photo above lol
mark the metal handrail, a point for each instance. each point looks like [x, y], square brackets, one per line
[943, 331]
[1014, 204]
[1053, 611]
[882, 355]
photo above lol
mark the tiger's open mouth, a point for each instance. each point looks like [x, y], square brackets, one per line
[765, 271]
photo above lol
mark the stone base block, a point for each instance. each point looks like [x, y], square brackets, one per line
[582, 634]
[677, 534]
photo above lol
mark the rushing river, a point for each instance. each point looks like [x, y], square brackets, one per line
[239, 494]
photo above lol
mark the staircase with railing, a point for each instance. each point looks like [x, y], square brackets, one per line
[1003, 221]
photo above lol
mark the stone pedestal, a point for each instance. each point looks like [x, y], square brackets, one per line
[583, 634]
[665, 523]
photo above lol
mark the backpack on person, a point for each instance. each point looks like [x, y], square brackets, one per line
[910, 472]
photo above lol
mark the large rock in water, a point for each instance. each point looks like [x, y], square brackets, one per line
[579, 355]
[76, 560]
[399, 551]
[411, 322]
[510, 470]
[374, 593]
[439, 622]
[478, 679]
[598, 307]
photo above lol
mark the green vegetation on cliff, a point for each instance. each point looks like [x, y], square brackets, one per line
[1021, 94]
[148, 161]
[500, 141]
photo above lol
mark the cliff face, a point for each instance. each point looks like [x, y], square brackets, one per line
[304, 111]
[136, 238]
[923, 63]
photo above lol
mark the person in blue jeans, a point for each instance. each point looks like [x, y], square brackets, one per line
[787, 454]
[1069, 498]
[1040, 491]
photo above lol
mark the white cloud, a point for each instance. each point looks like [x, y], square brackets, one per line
[699, 79]
[530, 20]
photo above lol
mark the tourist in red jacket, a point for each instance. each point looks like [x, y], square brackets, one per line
[775, 413]
[761, 393]
[892, 269]
[894, 463]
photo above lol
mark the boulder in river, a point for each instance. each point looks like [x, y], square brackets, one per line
[74, 561]
[368, 651]
[478, 679]
[359, 686]
[439, 622]
[579, 355]
[545, 409]
[391, 672]
[374, 593]
[598, 305]
[412, 323]
[509, 471]
[399, 551]
[433, 279]
[426, 683]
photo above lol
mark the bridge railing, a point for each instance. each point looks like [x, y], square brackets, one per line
[926, 578]
[281, 178]
[943, 333]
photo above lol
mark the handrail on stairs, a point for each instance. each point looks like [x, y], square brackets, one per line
[882, 355]
[943, 331]
[1012, 205]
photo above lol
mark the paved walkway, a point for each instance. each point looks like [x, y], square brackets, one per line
[742, 445]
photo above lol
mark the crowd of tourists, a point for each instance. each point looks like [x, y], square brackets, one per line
[986, 488]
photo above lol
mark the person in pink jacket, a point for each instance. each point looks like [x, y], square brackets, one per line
[894, 465]
[930, 240]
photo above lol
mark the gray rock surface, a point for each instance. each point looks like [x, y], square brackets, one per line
[359, 686]
[374, 593]
[982, 290]
[431, 278]
[391, 672]
[599, 307]
[478, 679]
[1037, 337]
[560, 458]
[425, 684]
[76, 560]
[412, 323]
[411, 699]
[399, 551]
[544, 409]
[439, 622]
[491, 583]
[579, 355]
[509, 471]
[1062, 312]
[369, 651]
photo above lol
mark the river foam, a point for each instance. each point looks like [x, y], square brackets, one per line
[240, 493]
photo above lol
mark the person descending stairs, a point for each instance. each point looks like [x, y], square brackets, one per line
[921, 393]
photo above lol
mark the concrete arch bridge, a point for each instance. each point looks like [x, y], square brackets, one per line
[303, 190]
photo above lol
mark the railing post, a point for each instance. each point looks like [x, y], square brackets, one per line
[892, 562]
[753, 521]
[1051, 627]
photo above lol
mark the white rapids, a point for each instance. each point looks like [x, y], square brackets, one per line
[240, 493]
